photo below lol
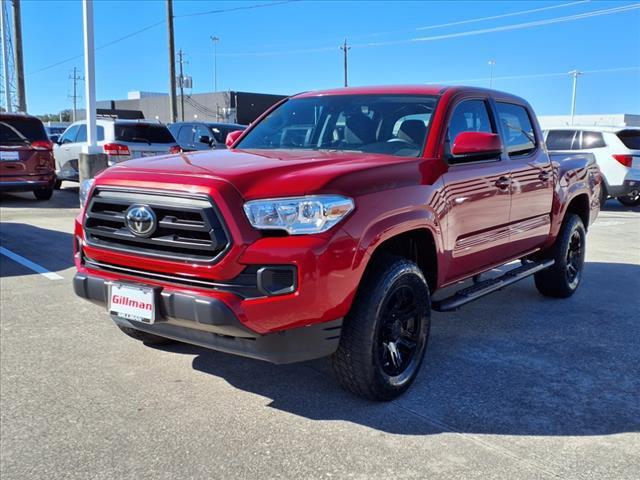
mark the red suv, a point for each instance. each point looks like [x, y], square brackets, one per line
[26, 156]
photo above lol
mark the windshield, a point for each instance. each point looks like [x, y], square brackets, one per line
[142, 133]
[386, 124]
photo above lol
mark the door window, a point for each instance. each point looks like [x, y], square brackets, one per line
[520, 138]
[185, 135]
[200, 131]
[469, 116]
[562, 140]
[592, 140]
[69, 135]
[82, 133]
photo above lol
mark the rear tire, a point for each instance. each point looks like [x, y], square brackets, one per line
[43, 193]
[563, 278]
[144, 337]
[630, 201]
[57, 184]
[384, 336]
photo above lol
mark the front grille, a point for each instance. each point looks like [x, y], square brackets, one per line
[188, 228]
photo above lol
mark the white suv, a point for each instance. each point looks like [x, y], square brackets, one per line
[120, 139]
[617, 152]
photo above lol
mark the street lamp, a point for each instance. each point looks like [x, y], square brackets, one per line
[491, 65]
[215, 41]
[574, 74]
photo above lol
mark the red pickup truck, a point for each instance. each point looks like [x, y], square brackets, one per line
[329, 224]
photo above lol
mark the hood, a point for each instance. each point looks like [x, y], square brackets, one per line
[272, 173]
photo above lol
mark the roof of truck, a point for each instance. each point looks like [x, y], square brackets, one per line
[405, 90]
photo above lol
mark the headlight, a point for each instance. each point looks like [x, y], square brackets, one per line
[298, 215]
[85, 187]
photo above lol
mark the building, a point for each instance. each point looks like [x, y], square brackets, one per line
[604, 119]
[228, 107]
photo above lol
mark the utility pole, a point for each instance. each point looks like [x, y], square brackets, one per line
[215, 41]
[172, 64]
[17, 57]
[5, 58]
[491, 65]
[345, 48]
[574, 74]
[75, 77]
[181, 55]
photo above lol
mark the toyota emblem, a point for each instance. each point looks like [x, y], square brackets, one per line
[140, 220]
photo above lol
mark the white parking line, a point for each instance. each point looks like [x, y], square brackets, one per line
[30, 265]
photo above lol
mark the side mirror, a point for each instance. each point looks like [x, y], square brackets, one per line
[232, 137]
[476, 145]
[204, 139]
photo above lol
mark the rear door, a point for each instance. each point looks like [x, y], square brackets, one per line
[477, 196]
[24, 147]
[531, 178]
[66, 162]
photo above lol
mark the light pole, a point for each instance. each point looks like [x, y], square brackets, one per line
[215, 41]
[91, 159]
[491, 65]
[574, 74]
[345, 48]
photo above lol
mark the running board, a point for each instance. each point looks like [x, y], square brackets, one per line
[480, 289]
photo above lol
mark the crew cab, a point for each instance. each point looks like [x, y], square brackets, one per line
[329, 224]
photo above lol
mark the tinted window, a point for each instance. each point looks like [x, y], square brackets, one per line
[185, 134]
[516, 125]
[592, 140]
[142, 133]
[82, 133]
[560, 139]
[630, 138]
[361, 123]
[469, 116]
[201, 131]
[15, 131]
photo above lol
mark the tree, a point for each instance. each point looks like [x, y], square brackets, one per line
[63, 116]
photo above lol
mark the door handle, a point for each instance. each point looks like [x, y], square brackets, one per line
[544, 176]
[503, 183]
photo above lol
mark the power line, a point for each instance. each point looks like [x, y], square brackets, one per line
[234, 9]
[534, 75]
[475, 20]
[518, 26]
[156, 24]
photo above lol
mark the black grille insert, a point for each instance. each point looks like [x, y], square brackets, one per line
[189, 227]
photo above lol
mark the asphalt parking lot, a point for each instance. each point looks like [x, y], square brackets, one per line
[514, 386]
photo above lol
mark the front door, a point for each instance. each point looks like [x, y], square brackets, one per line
[531, 179]
[478, 198]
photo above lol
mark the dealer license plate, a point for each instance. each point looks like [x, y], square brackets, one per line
[132, 302]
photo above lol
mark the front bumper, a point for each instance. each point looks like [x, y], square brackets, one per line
[210, 323]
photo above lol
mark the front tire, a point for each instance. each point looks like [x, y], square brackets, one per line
[144, 337]
[384, 336]
[563, 278]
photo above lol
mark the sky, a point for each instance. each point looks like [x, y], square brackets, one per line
[289, 47]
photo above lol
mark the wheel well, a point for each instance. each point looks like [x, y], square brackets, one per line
[417, 246]
[580, 206]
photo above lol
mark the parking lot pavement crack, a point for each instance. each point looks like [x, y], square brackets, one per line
[534, 465]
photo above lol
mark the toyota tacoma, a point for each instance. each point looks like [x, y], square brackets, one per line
[329, 224]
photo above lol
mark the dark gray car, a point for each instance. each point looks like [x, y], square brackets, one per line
[202, 135]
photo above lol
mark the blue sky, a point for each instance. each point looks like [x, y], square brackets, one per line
[292, 47]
